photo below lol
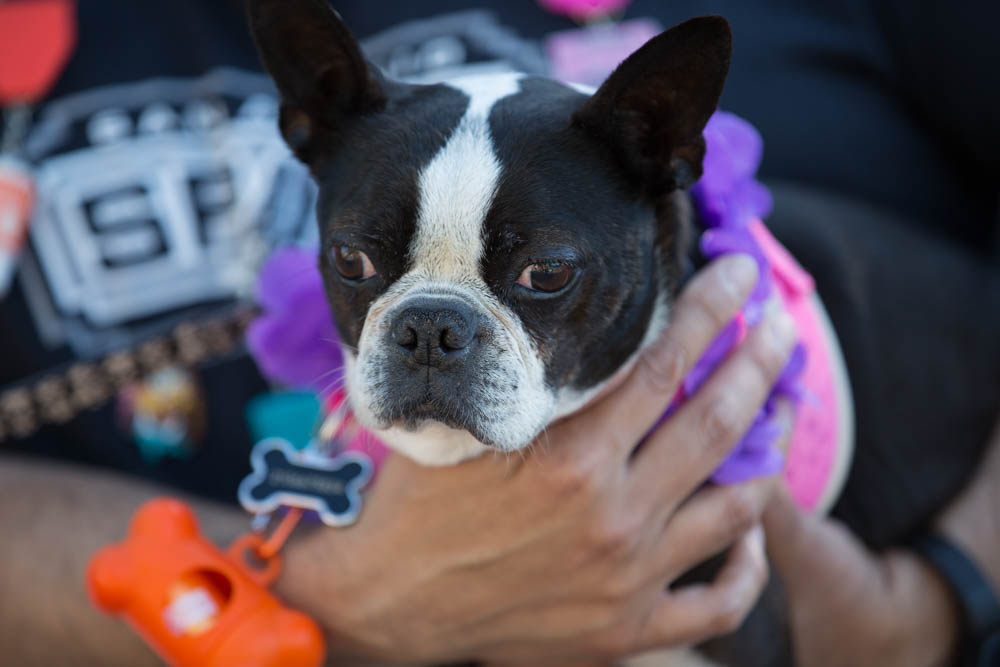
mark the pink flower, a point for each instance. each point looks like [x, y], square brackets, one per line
[584, 9]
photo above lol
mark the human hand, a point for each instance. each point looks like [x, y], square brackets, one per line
[849, 607]
[565, 551]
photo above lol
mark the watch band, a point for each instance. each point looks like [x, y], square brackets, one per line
[980, 642]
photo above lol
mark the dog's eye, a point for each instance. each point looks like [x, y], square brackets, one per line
[546, 276]
[352, 264]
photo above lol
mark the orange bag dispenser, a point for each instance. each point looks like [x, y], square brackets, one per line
[195, 605]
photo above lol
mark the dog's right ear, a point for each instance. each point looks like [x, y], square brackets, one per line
[319, 69]
[652, 109]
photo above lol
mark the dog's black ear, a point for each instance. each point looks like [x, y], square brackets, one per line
[318, 67]
[654, 106]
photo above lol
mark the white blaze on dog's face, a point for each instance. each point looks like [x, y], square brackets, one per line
[494, 248]
[444, 290]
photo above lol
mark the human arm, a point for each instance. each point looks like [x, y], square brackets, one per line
[53, 517]
[562, 552]
[894, 607]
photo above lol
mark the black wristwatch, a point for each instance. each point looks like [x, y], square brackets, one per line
[980, 642]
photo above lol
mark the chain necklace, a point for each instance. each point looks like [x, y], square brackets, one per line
[56, 397]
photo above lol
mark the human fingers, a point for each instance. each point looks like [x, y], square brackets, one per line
[713, 519]
[682, 453]
[717, 515]
[707, 304]
[695, 612]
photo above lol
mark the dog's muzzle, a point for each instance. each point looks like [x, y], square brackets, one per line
[434, 363]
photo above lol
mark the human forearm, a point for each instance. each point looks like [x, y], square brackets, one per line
[53, 517]
[895, 608]
[972, 521]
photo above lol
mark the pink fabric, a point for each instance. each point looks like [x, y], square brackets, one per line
[363, 441]
[584, 9]
[587, 55]
[812, 450]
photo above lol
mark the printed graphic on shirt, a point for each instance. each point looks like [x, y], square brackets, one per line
[158, 200]
[158, 196]
[444, 46]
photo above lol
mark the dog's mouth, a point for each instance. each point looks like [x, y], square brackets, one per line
[416, 414]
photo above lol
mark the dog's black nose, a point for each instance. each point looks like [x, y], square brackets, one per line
[434, 331]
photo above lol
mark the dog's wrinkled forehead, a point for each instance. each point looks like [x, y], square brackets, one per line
[431, 179]
[456, 188]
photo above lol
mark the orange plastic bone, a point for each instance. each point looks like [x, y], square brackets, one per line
[195, 605]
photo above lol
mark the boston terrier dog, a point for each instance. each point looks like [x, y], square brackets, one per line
[496, 249]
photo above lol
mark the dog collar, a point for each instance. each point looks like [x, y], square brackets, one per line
[295, 335]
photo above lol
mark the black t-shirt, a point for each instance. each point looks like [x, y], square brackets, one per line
[162, 180]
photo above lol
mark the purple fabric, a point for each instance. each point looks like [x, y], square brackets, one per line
[728, 198]
[295, 343]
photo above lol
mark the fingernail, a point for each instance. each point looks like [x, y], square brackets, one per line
[740, 272]
[782, 328]
[773, 306]
[785, 416]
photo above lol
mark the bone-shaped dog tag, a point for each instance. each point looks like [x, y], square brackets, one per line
[282, 476]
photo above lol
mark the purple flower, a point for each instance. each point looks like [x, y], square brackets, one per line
[294, 340]
[788, 384]
[753, 457]
[728, 195]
